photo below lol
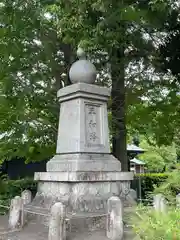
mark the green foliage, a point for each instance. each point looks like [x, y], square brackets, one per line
[170, 186]
[153, 175]
[11, 188]
[37, 42]
[148, 182]
[28, 121]
[158, 116]
[158, 158]
[150, 225]
[169, 49]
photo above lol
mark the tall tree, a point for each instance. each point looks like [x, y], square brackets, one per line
[33, 60]
[159, 113]
[169, 60]
[37, 44]
[117, 28]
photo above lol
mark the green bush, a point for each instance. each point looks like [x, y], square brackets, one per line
[11, 188]
[151, 225]
[170, 186]
[147, 182]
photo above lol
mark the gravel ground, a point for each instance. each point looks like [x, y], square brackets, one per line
[33, 231]
[36, 231]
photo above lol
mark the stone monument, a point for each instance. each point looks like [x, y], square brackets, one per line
[83, 174]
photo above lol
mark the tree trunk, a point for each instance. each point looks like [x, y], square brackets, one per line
[118, 107]
[68, 58]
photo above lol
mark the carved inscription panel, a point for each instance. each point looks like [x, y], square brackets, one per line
[93, 127]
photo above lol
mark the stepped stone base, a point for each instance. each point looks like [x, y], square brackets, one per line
[81, 191]
[83, 162]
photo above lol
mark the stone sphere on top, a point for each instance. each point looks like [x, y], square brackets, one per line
[82, 71]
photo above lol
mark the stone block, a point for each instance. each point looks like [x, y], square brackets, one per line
[86, 177]
[83, 162]
[88, 90]
[114, 224]
[159, 203]
[132, 197]
[83, 127]
[15, 214]
[26, 196]
[80, 194]
[57, 223]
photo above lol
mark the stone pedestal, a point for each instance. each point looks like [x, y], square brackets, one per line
[83, 174]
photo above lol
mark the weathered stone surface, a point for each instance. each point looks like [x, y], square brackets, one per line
[159, 203]
[26, 196]
[83, 162]
[84, 176]
[82, 70]
[114, 226]
[52, 189]
[15, 213]
[87, 196]
[133, 194]
[83, 89]
[86, 121]
[132, 197]
[57, 225]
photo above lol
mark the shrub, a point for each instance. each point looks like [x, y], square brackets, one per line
[170, 187]
[151, 225]
[148, 182]
[166, 183]
[11, 188]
